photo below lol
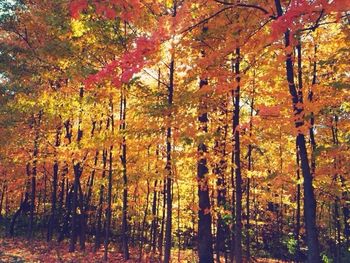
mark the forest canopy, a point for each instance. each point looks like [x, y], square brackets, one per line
[175, 130]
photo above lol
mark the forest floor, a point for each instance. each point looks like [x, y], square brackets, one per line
[20, 250]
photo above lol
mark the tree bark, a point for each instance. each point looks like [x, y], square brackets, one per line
[52, 221]
[298, 196]
[250, 168]
[205, 238]
[36, 125]
[309, 197]
[220, 171]
[237, 163]
[109, 205]
[100, 203]
[78, 170]
[168, 223]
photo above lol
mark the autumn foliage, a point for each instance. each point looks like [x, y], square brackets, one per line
[182, 131]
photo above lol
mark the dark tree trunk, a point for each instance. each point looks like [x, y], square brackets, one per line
[168, 223]
[52, 221]
[142, 236]
[125, 227]
[346, 211]
[309, 197]
[237, 159]
[100, 204]
[23, 208]
[75, 216]
[310, 97]
[110, 180]
[90, 184]
[250, 168]
[78, 170]
[344, 194]
[298, 196]
[109, 204]
[154, 224]
[205, 238]
[82, 219]
[337, 230]
[4, 186]
[220, 171]
[161, 237]
[36, 125]
[25, 205]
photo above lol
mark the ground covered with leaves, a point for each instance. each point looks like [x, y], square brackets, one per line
[17, 250]
[22, 250]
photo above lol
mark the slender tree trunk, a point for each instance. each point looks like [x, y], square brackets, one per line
[110, 123]
[78, 169]
[337, 230]
[145, 213]
[250, 168]
[309, 197]
[24, 205]
[75, 215]
[154, 224]
[168, 223]
[52, 221]
[161, 237]
[220, 171]
[233, 197]
[2, 197]
[346, 212]
[205, 238]
[298, 197]
[125, 227]
[238, 176]
[345, 207]
[100, 203]
[109, 204]
[34, 172]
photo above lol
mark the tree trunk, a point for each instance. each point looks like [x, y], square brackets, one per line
[78, 170]
[75, 219]
[298, 196]
[309, 197]
[237, 162]
[220, 171]
[250, 168]
[161, 237]
[2, 197]
[142, 236]
[100, 203]
[205, 239]
[154, 224]
[36, 125]
[52, 221]
[109, 205]
[125, 227]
